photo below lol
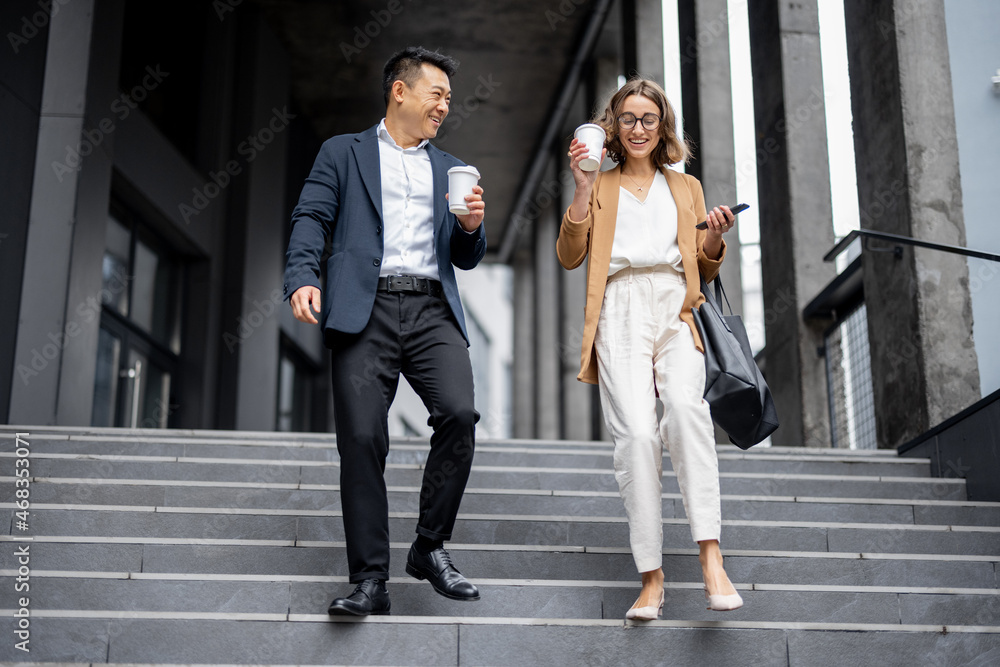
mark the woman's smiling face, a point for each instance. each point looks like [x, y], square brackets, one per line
[637, 140]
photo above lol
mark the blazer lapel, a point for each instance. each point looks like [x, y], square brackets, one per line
[603, 233]
[686, 232]
[440, 175]
[369, 166]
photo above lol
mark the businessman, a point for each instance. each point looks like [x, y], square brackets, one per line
[390, 306]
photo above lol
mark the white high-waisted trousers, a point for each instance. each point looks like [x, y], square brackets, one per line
[641, 340]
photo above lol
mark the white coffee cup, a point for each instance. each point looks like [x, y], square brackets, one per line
[460, 183]
[593, 136]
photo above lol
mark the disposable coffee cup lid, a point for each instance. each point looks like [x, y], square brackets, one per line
[466, 169]
[588, 126]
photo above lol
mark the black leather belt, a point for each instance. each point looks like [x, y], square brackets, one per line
[410, 284]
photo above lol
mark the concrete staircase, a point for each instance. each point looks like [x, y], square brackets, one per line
[222, 547]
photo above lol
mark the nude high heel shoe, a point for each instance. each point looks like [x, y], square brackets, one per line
[650, 613]
[723, 602]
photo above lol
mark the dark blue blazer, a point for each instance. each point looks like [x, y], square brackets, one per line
[343, 197]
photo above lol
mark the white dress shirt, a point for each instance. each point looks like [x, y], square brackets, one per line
[407, 208]
[646, 231]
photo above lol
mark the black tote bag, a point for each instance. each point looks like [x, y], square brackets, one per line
[735, 389]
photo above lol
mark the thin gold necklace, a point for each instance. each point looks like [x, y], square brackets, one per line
[636, 184]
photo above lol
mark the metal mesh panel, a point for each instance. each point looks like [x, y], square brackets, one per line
[849, 379]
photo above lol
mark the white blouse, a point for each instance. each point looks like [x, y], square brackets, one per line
[646, 231]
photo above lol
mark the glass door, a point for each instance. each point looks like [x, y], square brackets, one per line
[139, 348]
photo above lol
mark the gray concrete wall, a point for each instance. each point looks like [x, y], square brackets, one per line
[924, 366]
[796, 226]
[974, 52]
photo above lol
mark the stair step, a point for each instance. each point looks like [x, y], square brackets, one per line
[514, 561]
[173, 493]
[514, 477]
[191, 546]
[295, 526]
[419, 640]
[485, 455]
[146, 592]
[310, 439]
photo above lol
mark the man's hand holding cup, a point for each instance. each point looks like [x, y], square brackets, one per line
[468, 206]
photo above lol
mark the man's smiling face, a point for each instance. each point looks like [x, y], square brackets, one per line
[425, 105]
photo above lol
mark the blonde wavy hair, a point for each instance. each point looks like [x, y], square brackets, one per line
[670, 150]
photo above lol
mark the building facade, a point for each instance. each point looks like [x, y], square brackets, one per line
[154, 151]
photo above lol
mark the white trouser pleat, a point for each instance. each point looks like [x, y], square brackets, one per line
[644, 348]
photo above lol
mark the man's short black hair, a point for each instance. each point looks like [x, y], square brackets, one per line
[406, 65]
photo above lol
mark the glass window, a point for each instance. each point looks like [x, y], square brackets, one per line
[154, 294]
[115, 268]
[142, 281]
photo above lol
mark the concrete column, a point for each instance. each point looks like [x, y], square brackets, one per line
[577, 401]
[262, 207]
[716, 152]
[79, 364]
[22, 73]
[924, 365]
[55, 355]
[523, 373]
[796, 225]
[548, 418]
[649, 39]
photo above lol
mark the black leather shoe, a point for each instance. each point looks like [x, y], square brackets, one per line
[370, 597]
[437, 568]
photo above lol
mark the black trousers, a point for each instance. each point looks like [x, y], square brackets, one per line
[416, 335]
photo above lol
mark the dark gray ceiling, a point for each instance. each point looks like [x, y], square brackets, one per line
[520, 47]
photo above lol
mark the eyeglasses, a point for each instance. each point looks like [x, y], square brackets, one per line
[650, 121]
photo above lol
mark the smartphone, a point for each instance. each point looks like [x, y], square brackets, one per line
[739, 208]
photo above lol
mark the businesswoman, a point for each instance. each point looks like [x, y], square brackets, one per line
[637, 224]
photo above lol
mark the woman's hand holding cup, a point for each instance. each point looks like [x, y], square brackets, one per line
[578, 151]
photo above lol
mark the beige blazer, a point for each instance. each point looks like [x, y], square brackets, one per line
[595, 234]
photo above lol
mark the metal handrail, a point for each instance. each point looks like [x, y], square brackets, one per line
[905, 240]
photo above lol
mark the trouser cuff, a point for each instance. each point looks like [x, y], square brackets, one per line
[430, 534]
